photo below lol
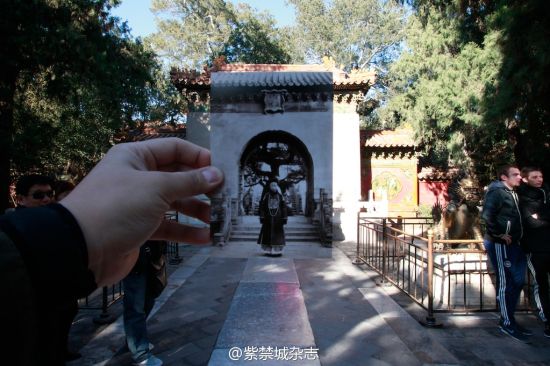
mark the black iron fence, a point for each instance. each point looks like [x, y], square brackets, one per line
[102, 299]
[440, 275]
[223, 210]
[172, 247]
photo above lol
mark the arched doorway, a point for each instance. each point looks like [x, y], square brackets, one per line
[277, 154]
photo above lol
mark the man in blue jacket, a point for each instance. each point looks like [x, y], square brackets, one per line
[504, 230]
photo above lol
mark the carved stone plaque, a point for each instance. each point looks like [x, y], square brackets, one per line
[274, 100]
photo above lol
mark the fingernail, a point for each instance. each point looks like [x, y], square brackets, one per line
[212, 175]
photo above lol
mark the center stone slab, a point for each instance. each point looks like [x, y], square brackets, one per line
[268, 308]
[267, 314]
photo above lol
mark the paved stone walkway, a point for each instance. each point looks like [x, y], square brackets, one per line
[312, 304]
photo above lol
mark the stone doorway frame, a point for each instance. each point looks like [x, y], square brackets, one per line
[289, 139]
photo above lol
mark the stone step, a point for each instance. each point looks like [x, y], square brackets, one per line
[258, 224]
[288, 226]
[291, 219]
[297, 227]
[287, 232]
[254, 238]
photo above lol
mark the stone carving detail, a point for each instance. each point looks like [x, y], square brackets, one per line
[460, 219]
[274, 100]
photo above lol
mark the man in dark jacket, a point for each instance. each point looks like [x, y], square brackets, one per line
[504, 229]
[535, 209]
[35, 190]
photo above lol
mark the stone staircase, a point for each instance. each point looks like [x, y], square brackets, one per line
[297, 229]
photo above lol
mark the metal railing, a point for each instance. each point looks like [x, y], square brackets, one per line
[440, 275]
[102, 299]
[221, 223]
[173, 247]
[325, 218]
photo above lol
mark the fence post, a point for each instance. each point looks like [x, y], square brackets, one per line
[384, 280]
[430, 319]
[357, 260]
[384, 249]
[322, 214]
[104, 317]
[176, 259]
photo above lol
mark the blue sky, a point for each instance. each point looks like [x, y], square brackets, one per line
[142, 22]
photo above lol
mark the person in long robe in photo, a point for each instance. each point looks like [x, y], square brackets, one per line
[273, 217]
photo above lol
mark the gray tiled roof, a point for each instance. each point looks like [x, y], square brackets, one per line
[270, 79]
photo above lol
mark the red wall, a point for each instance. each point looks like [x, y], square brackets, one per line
[430, 192]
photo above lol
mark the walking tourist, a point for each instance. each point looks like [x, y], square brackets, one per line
[534, 201]
[504, 230]
[142, 286]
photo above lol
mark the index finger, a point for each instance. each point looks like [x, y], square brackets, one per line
[160, 153]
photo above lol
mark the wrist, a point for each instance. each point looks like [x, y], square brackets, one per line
[53, 248]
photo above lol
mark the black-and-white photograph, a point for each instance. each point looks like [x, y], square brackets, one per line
[271, 134]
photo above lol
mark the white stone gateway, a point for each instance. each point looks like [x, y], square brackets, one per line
[297, 123]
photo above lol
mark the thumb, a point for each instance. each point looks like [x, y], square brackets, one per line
[178, 185]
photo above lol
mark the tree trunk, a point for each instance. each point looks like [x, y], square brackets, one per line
[8, 78]
[518, 144]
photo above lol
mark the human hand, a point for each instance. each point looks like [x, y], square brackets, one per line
[507, 239]
[122, 202]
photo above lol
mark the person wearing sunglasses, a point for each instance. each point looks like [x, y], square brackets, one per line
[34, 191]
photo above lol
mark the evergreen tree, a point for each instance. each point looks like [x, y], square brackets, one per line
[70, 76]
[471, 83]
[356, 34]
[520, 100]
[437, 86]
[193, 33]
